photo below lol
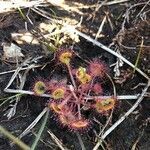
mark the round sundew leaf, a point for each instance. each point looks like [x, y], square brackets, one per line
[105, 104]
[79, 124]
[58, 93]
[55, 107]
[65, 57]
[39, 88]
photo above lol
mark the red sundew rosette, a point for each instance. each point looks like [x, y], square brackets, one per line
[103, 106]
[97, 88]
[96, 68]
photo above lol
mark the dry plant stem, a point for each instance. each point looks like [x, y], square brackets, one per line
[25, 63]
[22, 145]
[13, 78]
[15, 74]
[113, 85]
[56, 140]
[108, 120]
[12, 111]
[72, 29]
[117, 123]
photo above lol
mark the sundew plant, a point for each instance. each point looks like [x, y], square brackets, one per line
[81, 92]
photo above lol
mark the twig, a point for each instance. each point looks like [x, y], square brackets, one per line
[121, 97]
[12, 111]
[117, 123]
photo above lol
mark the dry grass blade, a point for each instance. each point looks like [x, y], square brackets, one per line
[139, 54]
[116, 2]
[22, 145]
[40, 131]
[100, 28]
[56, 140]
[80, 141]
[12, 111]
[24, 68]
[27, 130]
